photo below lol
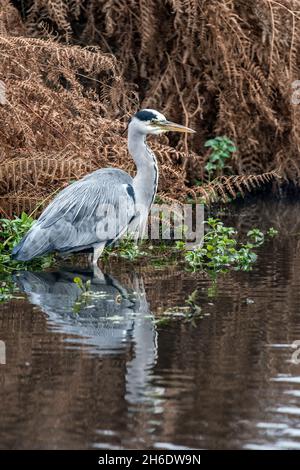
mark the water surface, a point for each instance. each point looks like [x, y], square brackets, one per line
[101, 374]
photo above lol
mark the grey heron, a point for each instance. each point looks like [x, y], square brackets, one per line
[98, 209]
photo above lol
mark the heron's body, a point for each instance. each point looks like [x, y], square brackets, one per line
[74, 221]
[98, 209]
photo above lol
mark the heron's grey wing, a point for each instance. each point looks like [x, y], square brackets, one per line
[81, 199]
[94, 209]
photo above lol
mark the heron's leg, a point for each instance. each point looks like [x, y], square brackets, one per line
[98, 275]
[135, 229]
[97, 252]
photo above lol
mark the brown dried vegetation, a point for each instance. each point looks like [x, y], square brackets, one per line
[74, 70]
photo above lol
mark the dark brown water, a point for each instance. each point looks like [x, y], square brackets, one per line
[102, 375]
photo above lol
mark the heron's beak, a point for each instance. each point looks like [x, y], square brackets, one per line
[172, 126]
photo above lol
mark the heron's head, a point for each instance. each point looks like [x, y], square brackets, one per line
[149, 121]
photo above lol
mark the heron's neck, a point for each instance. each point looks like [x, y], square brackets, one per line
[146, 179]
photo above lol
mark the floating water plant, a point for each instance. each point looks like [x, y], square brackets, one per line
[221, 250]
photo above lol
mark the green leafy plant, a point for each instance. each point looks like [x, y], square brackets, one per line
[7, 290]
[85, 287]
[180, 245]
[193, 304]
[221, 251]
[272, 232]
[127, 249]
[11, 232]
[256, 236]
[221, 150]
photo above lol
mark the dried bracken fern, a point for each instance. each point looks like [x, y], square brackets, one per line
[75, 70]
[223, 67]
[230, 187]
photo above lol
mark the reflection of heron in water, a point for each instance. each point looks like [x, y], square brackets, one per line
[107, 320]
